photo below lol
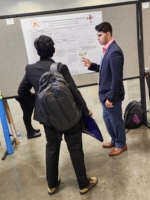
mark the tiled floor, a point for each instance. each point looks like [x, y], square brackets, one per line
[124, 177]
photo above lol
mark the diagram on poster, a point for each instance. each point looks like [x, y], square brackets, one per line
[74, 36]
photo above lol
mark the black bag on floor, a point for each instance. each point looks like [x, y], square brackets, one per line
[134, 115]
[56, 100]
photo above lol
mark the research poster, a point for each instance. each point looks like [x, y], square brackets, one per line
[74, 36]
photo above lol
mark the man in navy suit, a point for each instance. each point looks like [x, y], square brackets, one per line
[111, 89]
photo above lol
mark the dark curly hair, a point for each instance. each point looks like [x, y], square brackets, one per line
[104, 27]
[44, 46]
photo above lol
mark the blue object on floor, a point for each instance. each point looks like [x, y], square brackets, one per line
[5, 127]
[91, 128]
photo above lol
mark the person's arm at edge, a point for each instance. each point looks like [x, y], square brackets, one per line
[24, 90]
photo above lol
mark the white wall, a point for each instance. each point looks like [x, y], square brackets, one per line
[10, 7]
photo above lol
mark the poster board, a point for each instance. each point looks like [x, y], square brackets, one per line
[13, 55]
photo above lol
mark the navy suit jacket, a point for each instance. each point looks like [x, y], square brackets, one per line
[111, 74]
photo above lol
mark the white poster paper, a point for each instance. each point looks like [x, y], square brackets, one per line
[74, 36]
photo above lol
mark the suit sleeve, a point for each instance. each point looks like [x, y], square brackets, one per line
[63, 69]
[116, 66]
[94, 67]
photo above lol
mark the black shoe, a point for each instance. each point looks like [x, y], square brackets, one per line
[92, 182]
[36, 130]
[52, 191]
[34, 135]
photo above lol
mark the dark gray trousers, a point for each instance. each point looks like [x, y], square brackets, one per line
[73, 138]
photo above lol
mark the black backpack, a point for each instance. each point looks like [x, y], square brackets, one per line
[56, 100]
[134, 115]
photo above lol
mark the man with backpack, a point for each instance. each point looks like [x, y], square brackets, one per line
[73, 136]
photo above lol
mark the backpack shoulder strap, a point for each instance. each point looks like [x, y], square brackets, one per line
[129, 107]
[53, 67]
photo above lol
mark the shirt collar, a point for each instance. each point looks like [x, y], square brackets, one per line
[46, 59]
[105, 47]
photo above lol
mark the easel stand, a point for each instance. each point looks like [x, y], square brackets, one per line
[6, 152]
[147, 77]
[4, 116]
[148, 83]
[11, 122]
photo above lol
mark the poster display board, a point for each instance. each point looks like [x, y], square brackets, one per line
[74, 36]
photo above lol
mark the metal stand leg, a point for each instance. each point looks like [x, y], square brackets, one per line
[147, 77]
[6, 153]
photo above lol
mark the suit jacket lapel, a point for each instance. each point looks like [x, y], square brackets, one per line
[107, 51]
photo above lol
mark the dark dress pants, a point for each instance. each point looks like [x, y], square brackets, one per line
[73, 138]
[27, 109]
